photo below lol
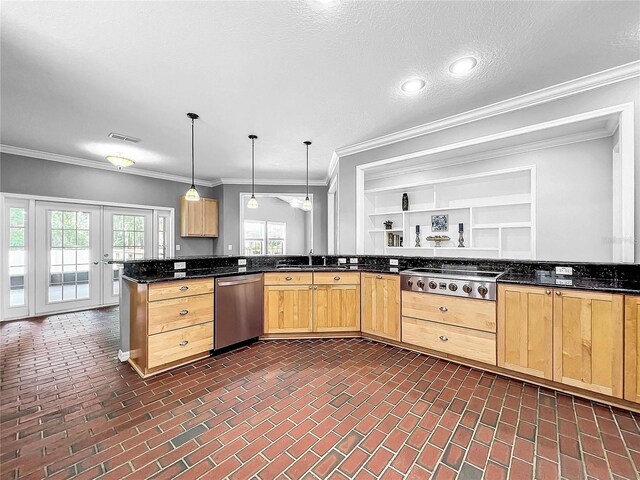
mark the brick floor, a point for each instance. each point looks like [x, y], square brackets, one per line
[344, 408]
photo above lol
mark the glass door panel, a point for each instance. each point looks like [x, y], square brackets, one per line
[127, 236]
[67, 256]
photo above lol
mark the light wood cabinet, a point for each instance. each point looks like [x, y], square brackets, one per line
[199, 219]
[380, 301]
[588, 342]
[525, 330]
[336, 308]
[171, 323]
[288, 308]
[632, 349]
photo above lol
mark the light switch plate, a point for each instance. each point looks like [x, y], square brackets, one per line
[177, 247]
[564, 271]
[393, 261]
[229, 247]
[353, 260]
[242, 261]
[179, 265]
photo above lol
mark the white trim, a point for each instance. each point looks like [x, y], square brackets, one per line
[627, 189]
[123, 356]
[272, 181]
[501, 152]
[544, 95]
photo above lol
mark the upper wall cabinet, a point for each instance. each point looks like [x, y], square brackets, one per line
[199, 219]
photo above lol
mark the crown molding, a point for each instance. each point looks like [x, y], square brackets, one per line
[272, 181]
[544, 95]
[83, 162]
[500, 152]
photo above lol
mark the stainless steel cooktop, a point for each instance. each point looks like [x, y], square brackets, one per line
[459, 282]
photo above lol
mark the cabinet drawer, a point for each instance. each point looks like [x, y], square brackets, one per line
[178, 344]
[336, 278]
[180, 288]
[464, 312]
[288, 278]
[165, 315]
[462, 342]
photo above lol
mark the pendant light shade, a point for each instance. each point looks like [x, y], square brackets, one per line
[192, 194]
[307, 205]
[253, 203]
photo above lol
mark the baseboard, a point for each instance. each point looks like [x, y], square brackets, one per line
[123, 356]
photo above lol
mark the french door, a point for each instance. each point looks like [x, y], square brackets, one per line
[68, 267]
[127, 235]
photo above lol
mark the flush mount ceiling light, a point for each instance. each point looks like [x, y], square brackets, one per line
[413, 85]
[307, 205]
[253, 203]
[463, 65]
[119, 161]
[192, 194]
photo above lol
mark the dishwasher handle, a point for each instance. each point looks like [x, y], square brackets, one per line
[241, 281]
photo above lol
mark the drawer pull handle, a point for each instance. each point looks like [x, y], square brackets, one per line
[288, 278]
[184, 343]
[379, 277]
[184, 312]
[558, 293]
[184, 288]
[443, 338]
[444, 309]
[337, 277]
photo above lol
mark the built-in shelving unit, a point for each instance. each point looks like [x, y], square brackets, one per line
[496, 208]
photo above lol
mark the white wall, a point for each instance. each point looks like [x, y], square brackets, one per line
[298, 222]
[615, 94]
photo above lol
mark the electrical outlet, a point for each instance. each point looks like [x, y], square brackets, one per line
[393, 261]
[179, 265]
[353, 260]
[564, 271]
[229, 247]
[177, 247]
[393, 269]
[179, 274]
[242, 261]
[342, 260]
[242, 269]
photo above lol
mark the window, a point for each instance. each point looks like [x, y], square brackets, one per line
[128, 242]
[254, 237]
[276, 238]
[17, 256]
[264, 237]
[162, 236]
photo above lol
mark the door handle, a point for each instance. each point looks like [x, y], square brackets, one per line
[96, 263]
[184, 312]
[558, 293]
[548, 292]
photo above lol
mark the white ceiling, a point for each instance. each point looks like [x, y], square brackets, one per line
[289, 71]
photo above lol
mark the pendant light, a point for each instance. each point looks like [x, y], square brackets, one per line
[192, 194]
[253, 203]
[307, 201]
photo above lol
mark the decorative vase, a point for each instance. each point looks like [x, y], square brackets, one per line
[405, 202]
[417, 234]
[461, 236]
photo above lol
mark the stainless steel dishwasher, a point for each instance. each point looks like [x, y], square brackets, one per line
[239, 309]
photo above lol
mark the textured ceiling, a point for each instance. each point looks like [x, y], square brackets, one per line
[289, 71]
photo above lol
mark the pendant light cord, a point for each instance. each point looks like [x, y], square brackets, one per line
[307, 170]
[193, 162]
[253, 167]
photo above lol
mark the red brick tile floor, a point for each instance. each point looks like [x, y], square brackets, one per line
[343, 408]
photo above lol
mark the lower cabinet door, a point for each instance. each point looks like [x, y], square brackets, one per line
[336, 308]
[176, 345]
[525, 330]
[381, 305]
[288, 308]
[632, 349]
[588, 343]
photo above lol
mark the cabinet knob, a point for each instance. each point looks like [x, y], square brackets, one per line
[184, 312]
[288, 278]
[337, 277]
[444, 309]
[184, 343]
[184, 288]
[443, 338]
[379, 277]
[548, 292]
[558, 293]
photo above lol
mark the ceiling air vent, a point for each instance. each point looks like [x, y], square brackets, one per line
[124, 138]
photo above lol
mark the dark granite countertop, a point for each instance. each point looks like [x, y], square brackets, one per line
[579, 283]
[228, 271]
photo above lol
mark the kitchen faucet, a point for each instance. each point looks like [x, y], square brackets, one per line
[310, 258]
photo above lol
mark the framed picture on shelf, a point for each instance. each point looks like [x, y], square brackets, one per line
[439, 223]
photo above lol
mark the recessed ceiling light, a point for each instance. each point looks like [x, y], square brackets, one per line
[413, 85]
[463, 65]
[119, 161]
